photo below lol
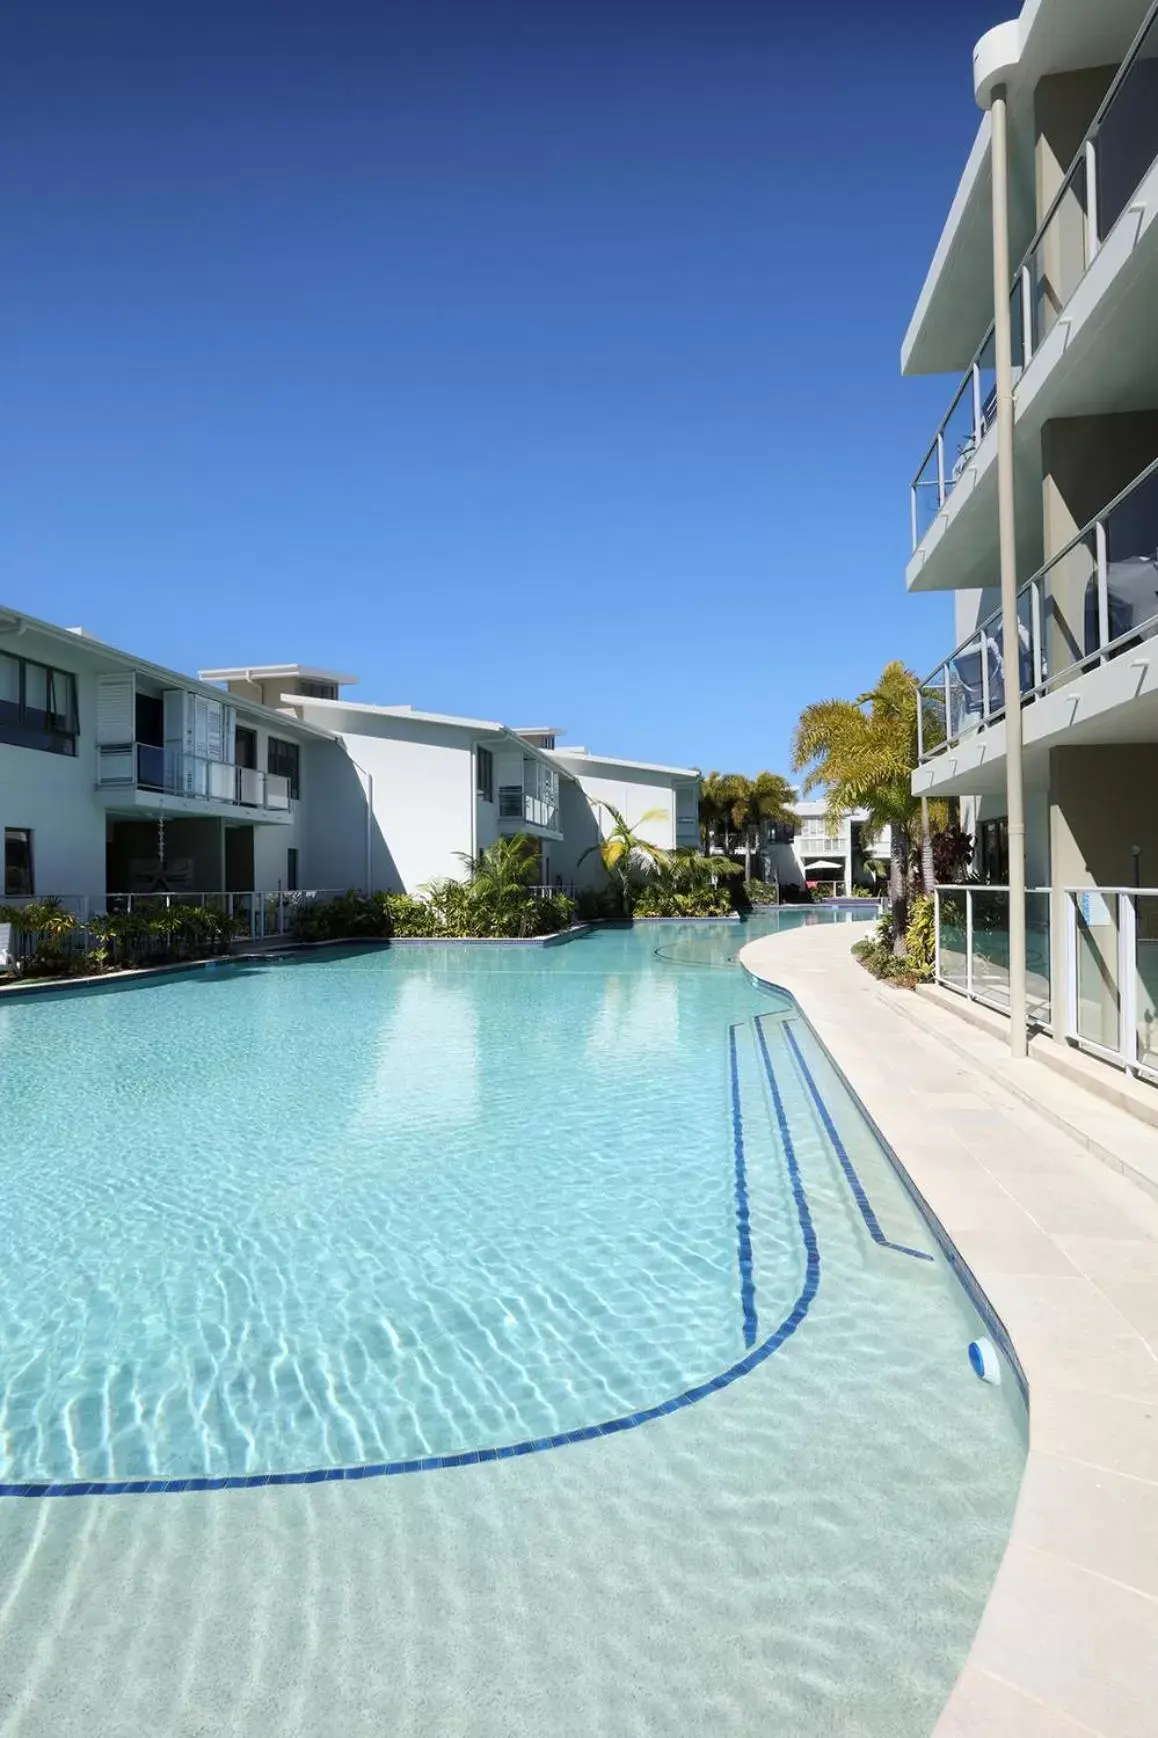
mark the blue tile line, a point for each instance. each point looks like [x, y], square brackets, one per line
[480, 1456]
[866, 1208]
[743, 1221]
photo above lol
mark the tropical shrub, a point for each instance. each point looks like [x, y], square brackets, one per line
[597, 905]
[60, 943]
[762, 893]
[350, 916]
[921, 939]
[627, 856]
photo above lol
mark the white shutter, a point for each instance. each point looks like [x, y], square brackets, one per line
[116, 723]
[230, 743]
[214, 730]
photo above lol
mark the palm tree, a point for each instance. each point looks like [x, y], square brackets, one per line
[862, 753]
[768, 802]
[625, 854]
[500, 878]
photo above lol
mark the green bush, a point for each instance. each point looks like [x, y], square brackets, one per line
[60, 943]
[350, 916]
[658, 900]
[596, 904]
[921, 939]
[762, 893]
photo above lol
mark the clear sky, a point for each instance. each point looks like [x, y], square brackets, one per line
[533, 359]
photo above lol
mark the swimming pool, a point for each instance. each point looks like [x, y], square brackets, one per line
[406, 1210]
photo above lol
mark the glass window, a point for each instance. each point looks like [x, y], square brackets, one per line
[18, 881]
[9, 687]
[284, 758]
[485, 777]
[37, 706]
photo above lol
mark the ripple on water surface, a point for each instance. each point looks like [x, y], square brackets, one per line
[377, 1207]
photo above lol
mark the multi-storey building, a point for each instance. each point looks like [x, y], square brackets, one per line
[1070, 91]
[118, 777]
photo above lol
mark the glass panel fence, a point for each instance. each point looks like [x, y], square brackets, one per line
[1098, 990]
[1070, 607]
[1127, 140]
[926, 496]
[987, 381]
[959, 434]
[1058, 262]
[1038, 996]
[991, 945]
[952, 956]
[995, 664]
[934, 733]
[1146, 981]
[965, 693]
[1132, 566]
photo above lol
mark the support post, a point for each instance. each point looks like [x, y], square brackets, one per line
[1015, 788]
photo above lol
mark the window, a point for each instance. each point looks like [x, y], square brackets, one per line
[18, 880]
[313, 690]
[291, 869]
[37, 706]
[284, 758]
[485, 775]
[245, 748]
[995, 852]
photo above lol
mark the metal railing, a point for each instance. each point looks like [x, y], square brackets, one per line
[1090, 603]
[972, 946]
[171, 772]
[1112, 975]
[1117, 151]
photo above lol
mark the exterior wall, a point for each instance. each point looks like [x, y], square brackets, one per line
[54, 793]
[424, 800]
[633, 791]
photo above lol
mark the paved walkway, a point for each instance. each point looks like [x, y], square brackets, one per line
[1066, 1249]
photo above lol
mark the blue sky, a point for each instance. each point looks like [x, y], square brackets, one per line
[532, 360]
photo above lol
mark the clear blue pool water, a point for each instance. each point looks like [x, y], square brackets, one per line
[384, 1206]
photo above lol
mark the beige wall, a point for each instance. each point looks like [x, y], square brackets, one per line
[1064, 105]
[1086, 461]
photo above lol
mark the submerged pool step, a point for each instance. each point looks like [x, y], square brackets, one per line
[817, 1106]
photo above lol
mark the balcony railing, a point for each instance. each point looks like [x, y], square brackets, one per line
[826, 845]
[1095, 600]
[142, 766]
[515, 804]
[1115, 155]
[972, 957]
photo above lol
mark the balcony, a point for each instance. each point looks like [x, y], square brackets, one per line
[144, 771]
[534, 803]
[1093, 602]
[1110, 165]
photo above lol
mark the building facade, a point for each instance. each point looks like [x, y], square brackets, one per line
[1073, 88]
[119, 778]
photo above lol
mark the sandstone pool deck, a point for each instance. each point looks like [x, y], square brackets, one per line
[1066, 1250]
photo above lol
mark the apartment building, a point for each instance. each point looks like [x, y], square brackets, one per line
[121, 778]
[1068, 147]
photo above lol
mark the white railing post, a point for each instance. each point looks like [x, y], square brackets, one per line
[920, 726]
[969, 942]
[949, 737]
[986, 704]
[1035, 614]
[937, 973]
[940, 468]
[1071, 963]
[977, 430]
[1092, 237]
[1103, 588]
[913, 514]
[1026, 315]
[1127, 980]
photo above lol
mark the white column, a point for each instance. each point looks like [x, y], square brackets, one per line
[1011, 651]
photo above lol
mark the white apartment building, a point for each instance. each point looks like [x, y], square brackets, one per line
[118, 777]
[1077, 85]
[825, 849]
